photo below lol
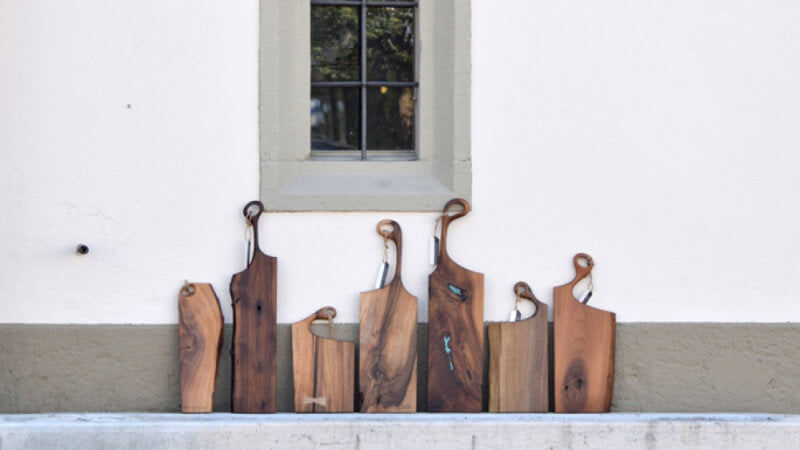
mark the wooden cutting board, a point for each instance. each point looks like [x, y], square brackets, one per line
[254, 294]
[324, 369]
[518, 363]
[388, 340]
[455, 330]
[200, 344]
[583, 344]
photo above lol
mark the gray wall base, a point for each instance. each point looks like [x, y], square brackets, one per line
[680, 367]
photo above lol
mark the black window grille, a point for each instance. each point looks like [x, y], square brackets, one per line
[363, 79]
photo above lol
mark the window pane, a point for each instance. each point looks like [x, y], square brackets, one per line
[390, 118]
[335, 118]
[390, 44]
[334, 43]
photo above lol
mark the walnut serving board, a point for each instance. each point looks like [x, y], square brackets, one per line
[518, 363]
[200, 344]
[583, 345]
[388, 341]
[323, 369]
[254, 294]
[455, 330]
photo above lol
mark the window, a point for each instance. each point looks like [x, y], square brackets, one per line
[434, 167]
[363, 87]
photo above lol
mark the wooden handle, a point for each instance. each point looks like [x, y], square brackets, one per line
[396, 235]
[321, 314]
[326, 313]
[523, 290]
[456, 201]
[580, 271]
[252, 217]
[446, 219]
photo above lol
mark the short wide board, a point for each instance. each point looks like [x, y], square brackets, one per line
[518, 365]
[323, 369]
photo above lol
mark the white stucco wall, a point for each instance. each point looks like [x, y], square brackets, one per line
[659, 137]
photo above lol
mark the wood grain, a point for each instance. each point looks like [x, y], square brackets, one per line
[455, 330]
[583, 345]
[518, 361]
[323, 369]
[200, 328]
[254, 294]
[388, 341]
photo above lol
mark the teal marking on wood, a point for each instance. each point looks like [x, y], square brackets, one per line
[448, 350]
[458, 292]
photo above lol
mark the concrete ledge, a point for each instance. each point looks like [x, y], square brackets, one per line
[445, 431]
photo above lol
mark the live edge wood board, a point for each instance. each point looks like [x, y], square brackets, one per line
[200, 344]
[254, 294]
[323, 369]
[455, 330]
[518, 362]
[583, 343]
[388, 341]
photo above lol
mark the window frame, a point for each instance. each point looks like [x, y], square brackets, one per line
[291, 180]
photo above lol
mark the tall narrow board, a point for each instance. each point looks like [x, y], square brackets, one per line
[254, 294]
[583, 345]
[455, 330]
[388, 341]
[518, 363]
[200, 344]
[324, 369]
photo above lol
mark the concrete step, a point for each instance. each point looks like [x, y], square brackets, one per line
[409, 431]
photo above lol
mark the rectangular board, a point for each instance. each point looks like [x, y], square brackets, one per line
[388, 350]
[254, 347]
[518, 365]
[455, 340]
[200, 328]
[323, 370]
